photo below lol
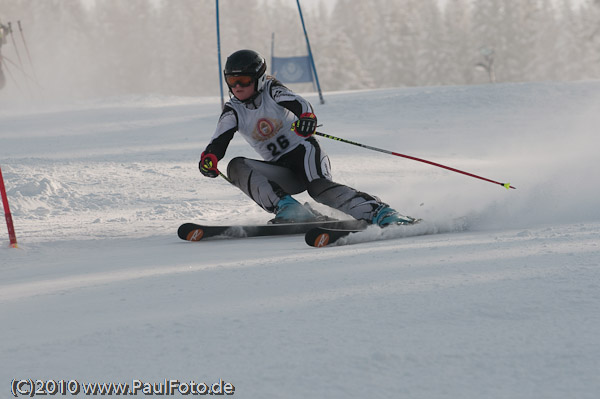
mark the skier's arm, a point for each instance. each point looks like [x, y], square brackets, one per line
[290, 100]
[226, 128]
[306, 125]
[215, 150]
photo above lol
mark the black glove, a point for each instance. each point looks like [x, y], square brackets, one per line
[208, 165]
[306, 125]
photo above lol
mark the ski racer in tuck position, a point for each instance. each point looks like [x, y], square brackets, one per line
[279, 125]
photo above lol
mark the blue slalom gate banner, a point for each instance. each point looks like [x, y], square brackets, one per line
[292, 69]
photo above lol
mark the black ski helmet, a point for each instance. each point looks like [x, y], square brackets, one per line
[247, 63]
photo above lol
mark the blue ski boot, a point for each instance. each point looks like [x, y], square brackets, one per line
[288, 210]
[385, 216]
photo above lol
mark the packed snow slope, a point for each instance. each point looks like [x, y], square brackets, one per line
[503, 302]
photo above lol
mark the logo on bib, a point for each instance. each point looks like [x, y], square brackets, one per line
[266, 128]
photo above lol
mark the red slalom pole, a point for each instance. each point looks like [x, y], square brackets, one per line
[505, 185]
[9, 222]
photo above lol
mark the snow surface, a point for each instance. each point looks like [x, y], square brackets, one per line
[504, 302]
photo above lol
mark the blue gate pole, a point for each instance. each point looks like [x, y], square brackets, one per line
[312, 61]
[219, 55]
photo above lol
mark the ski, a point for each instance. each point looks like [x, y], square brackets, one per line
[322, 236]
[197, 232]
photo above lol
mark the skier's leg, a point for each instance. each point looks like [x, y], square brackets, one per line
[355, 203]
[321, 188]
[311, 164]
[264, 182]
[317, 171]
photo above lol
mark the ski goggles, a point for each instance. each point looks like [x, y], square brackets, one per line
[243, 80]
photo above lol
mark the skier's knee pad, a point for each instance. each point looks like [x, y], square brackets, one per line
[325, 191]
[343, 198]
[318, 186]
[235, 167]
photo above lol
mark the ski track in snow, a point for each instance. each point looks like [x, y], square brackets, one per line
[495, 294]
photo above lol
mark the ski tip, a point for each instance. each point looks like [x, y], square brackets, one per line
[321, 240]
[508, 186]
[195, 235]
[190, 232]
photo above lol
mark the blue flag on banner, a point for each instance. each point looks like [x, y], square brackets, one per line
[292, 69]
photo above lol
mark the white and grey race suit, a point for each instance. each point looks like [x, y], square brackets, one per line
[291, 164]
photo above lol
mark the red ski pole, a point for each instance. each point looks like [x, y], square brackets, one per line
[9, 222]
[505, 185]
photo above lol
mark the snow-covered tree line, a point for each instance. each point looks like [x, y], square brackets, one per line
[109, 47]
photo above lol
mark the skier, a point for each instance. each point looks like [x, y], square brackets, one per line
[280, 124]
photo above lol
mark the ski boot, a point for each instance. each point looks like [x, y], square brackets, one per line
[288, 210]
[386, 216]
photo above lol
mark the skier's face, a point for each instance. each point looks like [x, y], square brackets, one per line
[243, 93]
